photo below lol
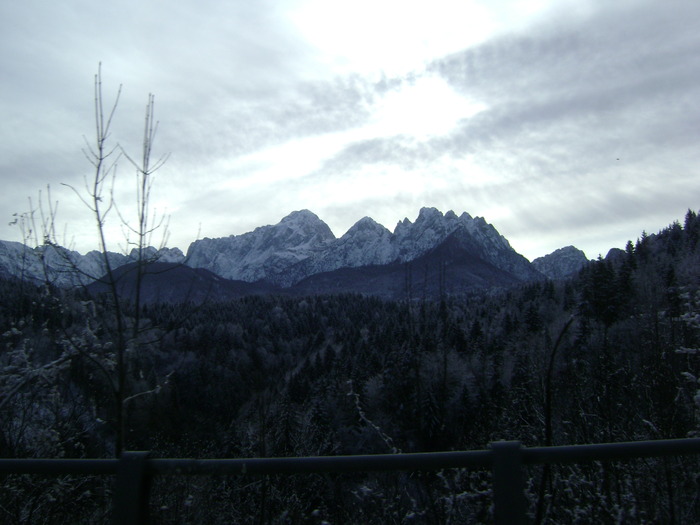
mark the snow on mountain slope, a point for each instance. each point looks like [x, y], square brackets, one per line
[265, 251]
[431, 227]
[561, 263]
[299, 246]
[365, 243]
[56, 265]
[302, 245]
[65, 268]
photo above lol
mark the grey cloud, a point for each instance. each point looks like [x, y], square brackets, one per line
[401, 150]
[582, 94]
[575, 96]
[301, 110]
[612, 49]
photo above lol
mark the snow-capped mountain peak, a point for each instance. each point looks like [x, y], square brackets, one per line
[299, 230]
[430, 228]
[305, 221]
[561, 263]
[402, 225]
[264, 252]
[301, 245]
[366, 226]
[66, 268]
[366, 242]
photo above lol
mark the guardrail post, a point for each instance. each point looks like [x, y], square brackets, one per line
[132, 490]
[508, 483]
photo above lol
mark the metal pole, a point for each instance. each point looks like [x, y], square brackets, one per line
[508, 483]
[132, 490]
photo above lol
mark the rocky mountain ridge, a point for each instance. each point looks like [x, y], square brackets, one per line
[561, 263]
[65, 268]
[301, 247]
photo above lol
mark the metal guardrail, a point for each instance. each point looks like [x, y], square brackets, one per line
[134, 470]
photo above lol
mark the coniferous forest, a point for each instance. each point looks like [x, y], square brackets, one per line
[608, 355]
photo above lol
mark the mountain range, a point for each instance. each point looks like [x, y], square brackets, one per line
[66, 268]
[438, 253]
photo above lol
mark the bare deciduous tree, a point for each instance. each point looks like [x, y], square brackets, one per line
[122, 316]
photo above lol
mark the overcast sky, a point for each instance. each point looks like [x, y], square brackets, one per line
[559, 122]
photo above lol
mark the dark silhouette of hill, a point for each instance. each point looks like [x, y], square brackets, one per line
[451, 268]
[177, 283]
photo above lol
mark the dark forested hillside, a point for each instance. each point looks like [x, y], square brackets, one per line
[607, 355]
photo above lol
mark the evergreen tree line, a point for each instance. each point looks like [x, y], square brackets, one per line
[609, 355]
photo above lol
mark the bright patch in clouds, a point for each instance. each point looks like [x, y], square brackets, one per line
[428, 106]
[284, 162]
[395, 36]
[422, 108]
